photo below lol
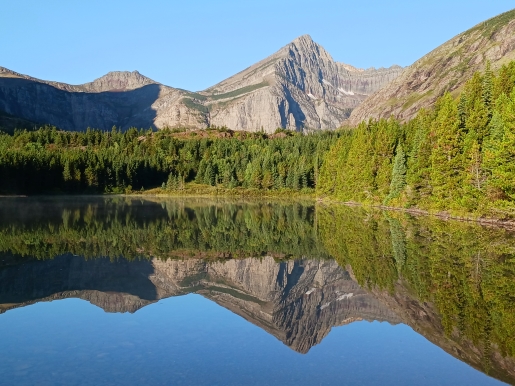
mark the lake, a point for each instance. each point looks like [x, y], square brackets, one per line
[123, 290]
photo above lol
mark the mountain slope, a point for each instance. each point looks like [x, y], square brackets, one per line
[299, 87]
[446, 68]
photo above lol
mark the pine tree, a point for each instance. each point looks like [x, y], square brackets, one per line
[488, 89]
[209, 175]
[398, 175]
[419, 161]
[386, 136]
[446, 158]
[359, 169]
[500, 155]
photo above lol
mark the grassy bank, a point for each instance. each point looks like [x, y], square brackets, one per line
[201, 190]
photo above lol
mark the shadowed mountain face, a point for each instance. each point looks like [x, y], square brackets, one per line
[105, 103]
[299, 87]
[297, 301]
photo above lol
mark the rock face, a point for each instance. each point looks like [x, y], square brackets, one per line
[296, 301]
[300, 87]
[446, 68]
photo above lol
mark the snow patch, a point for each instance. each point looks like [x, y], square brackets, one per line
[326, 82]
[311, 96]
[311, 291]
[325, 306]
[345, 92]
[345, 296]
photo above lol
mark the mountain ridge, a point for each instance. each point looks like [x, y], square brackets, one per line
[445, 69]
[299, 87]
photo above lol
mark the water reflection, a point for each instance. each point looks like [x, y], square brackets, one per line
[296, 301]
[294, 270]
[129, 228]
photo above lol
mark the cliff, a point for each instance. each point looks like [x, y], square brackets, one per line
[299, 87]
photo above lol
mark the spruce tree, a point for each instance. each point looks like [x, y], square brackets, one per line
[446, 160]
[398, 175]
[488, 89]
[500, 155]
[419, 162]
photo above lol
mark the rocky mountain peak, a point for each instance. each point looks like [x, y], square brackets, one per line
[299, 87]
[118, 81]
[306, 38]
[305, 46]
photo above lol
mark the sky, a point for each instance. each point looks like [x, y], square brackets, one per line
[196, 44]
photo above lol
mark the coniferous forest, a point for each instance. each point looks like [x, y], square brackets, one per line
[458, 157]
[52, 161]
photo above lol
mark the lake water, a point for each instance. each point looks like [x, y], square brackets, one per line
[111, 290]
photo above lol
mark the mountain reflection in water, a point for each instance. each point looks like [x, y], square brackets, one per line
[294, 270]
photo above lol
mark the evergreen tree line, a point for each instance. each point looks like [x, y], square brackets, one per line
[459, 157]
[52, 161]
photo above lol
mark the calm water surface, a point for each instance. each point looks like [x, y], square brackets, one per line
[106, 291]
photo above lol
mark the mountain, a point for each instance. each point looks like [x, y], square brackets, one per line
[122, 99]
[300, 87]
[447, 68]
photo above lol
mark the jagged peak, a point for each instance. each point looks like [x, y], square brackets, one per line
[306, 38]
[305, 42]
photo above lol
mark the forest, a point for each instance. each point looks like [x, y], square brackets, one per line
[53, 161]
[459, 157]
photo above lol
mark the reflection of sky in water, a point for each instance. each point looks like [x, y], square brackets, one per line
[191, 340]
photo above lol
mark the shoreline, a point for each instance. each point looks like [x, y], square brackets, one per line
[487, 221]
[282, 195]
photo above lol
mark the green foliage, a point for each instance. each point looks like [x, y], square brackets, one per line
[52, 161]
[238, 92]
[446, 167]
[398, 174]
[459, 157]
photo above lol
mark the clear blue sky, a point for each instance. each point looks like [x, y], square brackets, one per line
[195, 44]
